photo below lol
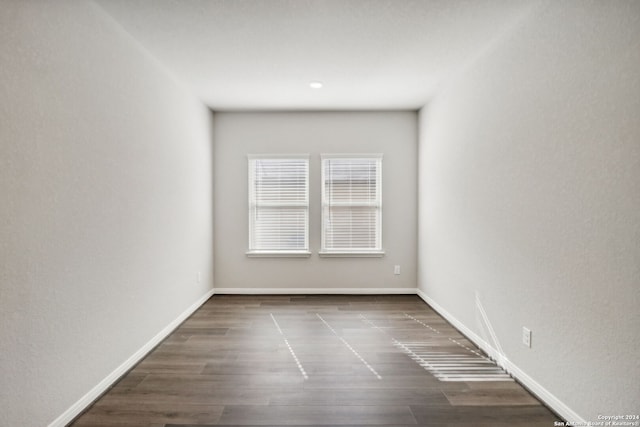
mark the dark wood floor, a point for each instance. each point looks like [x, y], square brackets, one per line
[316, 360]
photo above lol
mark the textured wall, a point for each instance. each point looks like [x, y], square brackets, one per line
[393, 134]
[530, 199]
[105, 204]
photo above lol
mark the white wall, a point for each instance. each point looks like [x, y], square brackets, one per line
[392, 133]
[530, 196]
[105, 204]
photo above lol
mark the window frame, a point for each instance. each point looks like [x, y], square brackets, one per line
[352, 252]
[252, 206]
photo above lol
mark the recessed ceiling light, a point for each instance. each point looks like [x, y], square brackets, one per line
[315, 85]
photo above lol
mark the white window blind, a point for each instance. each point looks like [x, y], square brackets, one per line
[352, 204]
[278, 205]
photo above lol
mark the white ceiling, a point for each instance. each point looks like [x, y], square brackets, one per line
[262, 54]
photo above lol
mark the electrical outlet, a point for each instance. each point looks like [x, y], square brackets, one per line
[199, 276]
[526, 337]
[396, 269]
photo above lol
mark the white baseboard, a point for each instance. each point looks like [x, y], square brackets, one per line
[314, 291]
[86, 400]
[542, 393]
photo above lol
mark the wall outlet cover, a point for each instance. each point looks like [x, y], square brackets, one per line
[526, 337]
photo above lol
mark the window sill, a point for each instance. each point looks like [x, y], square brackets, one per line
[278, 254]
[352, 254]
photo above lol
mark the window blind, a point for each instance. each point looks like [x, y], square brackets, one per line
[352, 204]
[278, 204]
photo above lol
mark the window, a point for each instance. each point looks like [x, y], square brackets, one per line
[278, 206]
[352, 205]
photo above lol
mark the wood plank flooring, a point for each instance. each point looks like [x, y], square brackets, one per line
[323, 360]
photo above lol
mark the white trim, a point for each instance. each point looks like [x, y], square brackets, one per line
[315, 291]
[537, 389]
[480, 342]
[324, 203]
[351, 156]
[278, 156]
[279, 254]
[252, 204]
[351, 254]
[542, 393]
[93, 394]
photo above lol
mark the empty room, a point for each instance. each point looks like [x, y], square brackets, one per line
[319, 213]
